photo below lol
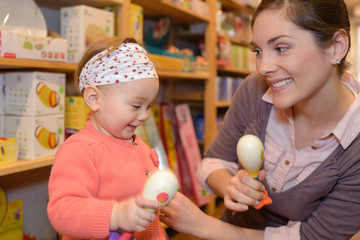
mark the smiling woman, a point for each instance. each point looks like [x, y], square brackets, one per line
[305, 108]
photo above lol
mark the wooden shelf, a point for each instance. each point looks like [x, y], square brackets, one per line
[236, 5]
[177, 13]
[187, 96]
[66, 3]
[15, 63]
[221, 104]
[182, 75]
[233, 70]
[25, 165]
[234, 40]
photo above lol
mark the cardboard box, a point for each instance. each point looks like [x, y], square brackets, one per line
[34, 93]
[82, 25]
[13, 45]
[76, 114]
[36, 137]
[8, 150]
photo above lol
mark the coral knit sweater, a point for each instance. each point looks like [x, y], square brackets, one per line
[90, 174]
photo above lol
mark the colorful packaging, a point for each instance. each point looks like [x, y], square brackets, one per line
[34, 93]
[36, 137]
[83, 25]
[76, 114]
[13, 45]
[136, 21]
[8, 150]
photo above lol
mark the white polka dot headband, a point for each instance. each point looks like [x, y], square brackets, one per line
[126, 63]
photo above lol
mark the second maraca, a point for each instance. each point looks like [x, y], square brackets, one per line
[250, 152]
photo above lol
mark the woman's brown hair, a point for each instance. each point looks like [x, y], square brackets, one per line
[323, 18]
[98, 47]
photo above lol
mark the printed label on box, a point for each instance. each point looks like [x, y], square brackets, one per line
[36, 136]
[34, 93]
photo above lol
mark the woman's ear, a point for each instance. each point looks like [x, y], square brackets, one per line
[340, 46]
[92, 97]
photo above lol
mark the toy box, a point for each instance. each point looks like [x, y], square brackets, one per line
[76, 114]
[8, 150]
[82, 25]
[11, 213]
[13, 45]
[34, 93]
[136, 21]
[36, 137]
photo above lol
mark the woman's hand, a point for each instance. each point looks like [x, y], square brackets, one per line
[130, 215]
[183, 215]
[243, 191]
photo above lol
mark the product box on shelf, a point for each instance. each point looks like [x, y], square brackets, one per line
[51, 48]
[36, 137]
[34, 93]
[136, 21]
[76, 114]
[83, 25]
[8, 150]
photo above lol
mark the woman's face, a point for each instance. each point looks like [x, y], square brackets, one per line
[296, 69]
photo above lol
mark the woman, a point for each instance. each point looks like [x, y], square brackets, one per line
[306, 110]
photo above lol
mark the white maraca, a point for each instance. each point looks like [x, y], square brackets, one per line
[161, 186]
[250, 152]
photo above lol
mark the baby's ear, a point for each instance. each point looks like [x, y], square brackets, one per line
[92, 97]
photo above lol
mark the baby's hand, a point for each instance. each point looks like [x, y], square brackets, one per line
[130, 215]
[244, 191]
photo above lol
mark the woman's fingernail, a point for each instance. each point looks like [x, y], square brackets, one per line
[262, 188]
[245, 207]
[263, 196]
[257, 203]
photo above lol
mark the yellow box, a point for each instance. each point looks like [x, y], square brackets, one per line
[76, 112]
[136, 22]
[167, 63]
[8, 150]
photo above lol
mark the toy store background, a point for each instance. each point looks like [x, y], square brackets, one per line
[200, 49]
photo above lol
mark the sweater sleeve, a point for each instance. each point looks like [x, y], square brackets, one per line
[337, 216]
[73, 208]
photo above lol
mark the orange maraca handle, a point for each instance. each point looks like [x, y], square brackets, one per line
[265, 201]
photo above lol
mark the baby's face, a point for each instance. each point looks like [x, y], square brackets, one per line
[125, 106]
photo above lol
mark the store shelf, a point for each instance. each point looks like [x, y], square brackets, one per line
[232, 70]
[65, 3]
[177, 13]
[187, 96]
[183, 75]
[221, 104]
[15, 63]
[236, 5]
[25, 165]
[234, 40]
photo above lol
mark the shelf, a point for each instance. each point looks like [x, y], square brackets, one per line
[234, 40]
[66, 3]
[233, 70]
[177, 13]
[25, 165]
[187, 96]
[182, 75]
[236, 5]
[221, 104]
[15, 63]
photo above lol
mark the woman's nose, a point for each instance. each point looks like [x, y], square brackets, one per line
[265, 65]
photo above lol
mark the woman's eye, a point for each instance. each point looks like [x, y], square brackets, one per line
[281, 49]
[256, 51]
[136, 106]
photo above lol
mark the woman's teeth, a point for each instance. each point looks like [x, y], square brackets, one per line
[282, 83]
